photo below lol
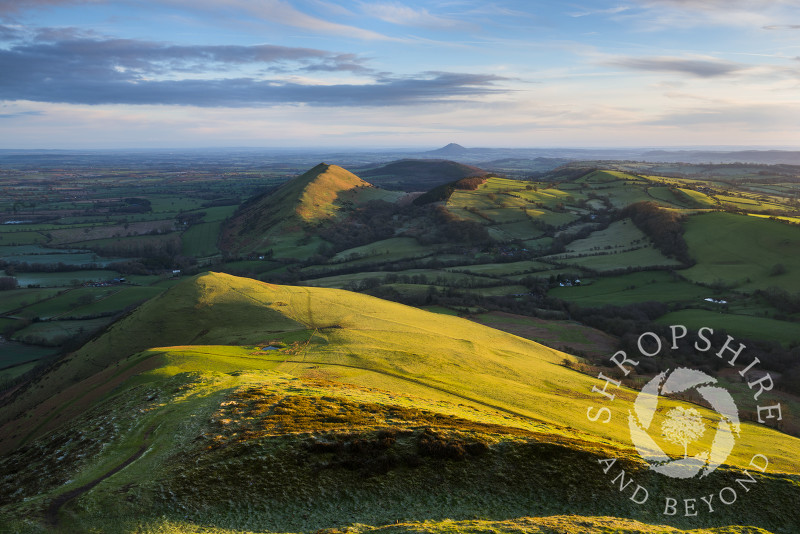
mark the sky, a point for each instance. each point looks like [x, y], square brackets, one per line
[82, 74]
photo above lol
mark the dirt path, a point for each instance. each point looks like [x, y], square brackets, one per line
[55, 505]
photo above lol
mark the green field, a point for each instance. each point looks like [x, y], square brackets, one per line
[421, 277]
[610, 261]
[65, 279]
[515, 231]
[393, 249]
[633, 288]
[201, 239]
[67, 301]
[619, 235]
[16, 358]
[741, 252]
[116, 300]
[503, 269]
[19, 298]
[759, 328]
[21, 238]
[55, 333]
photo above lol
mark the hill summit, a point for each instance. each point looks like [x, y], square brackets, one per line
[312, 195]
[319, 189]
[450, 149]
[310, 199]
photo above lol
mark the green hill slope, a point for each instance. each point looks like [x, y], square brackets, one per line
[246, 406]
[278, 219]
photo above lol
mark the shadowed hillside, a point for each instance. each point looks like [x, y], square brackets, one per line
[420, 175]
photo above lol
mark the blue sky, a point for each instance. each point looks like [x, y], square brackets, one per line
[372, 74]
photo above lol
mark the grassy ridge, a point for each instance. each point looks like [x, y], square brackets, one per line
[370, 410]
[312, 198]
[374, 342]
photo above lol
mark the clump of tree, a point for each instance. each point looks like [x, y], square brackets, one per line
[60, 267]
[443, 193]
[126, 205]
[780, 299]
[190, 218]
[448, 228]
[662, 226]
[155, 246]
[471, 183]
[7, 282]
[778, 269]
[374, 221]
[566, 173]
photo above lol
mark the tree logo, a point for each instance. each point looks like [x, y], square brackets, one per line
[683, 426]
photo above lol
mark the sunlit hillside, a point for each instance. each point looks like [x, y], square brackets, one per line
[236, 404]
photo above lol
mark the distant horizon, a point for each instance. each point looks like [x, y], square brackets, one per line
[412, 149]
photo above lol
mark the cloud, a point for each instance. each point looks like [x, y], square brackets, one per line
[609, 11]
[20, 114]
[244, 92]
[712, 6]
[407, 16]
[281, 12]
[737, 13]
[125, 59]
[703, 68]
[118, 71]
[782, 27]
[748, 116]
[12, 7]
[9, 33]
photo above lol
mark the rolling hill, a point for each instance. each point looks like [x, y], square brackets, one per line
[279, 219]
[232, 405]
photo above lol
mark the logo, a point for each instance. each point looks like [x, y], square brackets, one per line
[684, 423]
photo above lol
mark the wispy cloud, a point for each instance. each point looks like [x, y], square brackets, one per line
[750, 116]
[782, 27]
[19, 114]
[51, 57]
[9, 33]
[9, 8]
[704, 68]
[590, 12]
[736, 13]
[248, 92]
[281, 12]
[333, 9]
[404, 15]
[96, 71]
